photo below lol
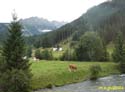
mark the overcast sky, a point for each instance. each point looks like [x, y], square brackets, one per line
[60, 10]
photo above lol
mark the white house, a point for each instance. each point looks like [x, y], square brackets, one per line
[54, 49]
[60, 49]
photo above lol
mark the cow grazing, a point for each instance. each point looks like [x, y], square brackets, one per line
[72, 67]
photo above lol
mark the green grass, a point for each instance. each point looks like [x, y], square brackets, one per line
[57, 54]
[47, 73]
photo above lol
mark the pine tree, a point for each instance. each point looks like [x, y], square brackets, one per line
[14, 72]
[28, 51]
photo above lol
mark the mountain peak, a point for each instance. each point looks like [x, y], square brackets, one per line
[35, 25]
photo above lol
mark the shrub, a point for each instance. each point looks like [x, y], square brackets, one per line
[68, 55]
[94, 71]
[46, 54]
[50, 86]
[121, 67]
[38, 54]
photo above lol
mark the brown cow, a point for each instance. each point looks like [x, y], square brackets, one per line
[72, 67]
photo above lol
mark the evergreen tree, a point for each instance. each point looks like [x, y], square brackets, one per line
[46, 42]
[28, 51]
[91, 48]
[0, 50]
[14, 70]
[118, 53]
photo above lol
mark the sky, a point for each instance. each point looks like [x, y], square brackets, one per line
[60, 10]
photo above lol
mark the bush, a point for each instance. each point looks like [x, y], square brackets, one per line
[50, 86]
[121, 67]
[38, 54]
[94, 71]
[68, 56]
[46, 54]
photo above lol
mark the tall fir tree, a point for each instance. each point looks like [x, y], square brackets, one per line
[15, 74]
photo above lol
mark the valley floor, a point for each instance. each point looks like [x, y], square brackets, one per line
[49, 73]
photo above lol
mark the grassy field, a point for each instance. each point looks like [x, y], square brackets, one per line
[48, 73]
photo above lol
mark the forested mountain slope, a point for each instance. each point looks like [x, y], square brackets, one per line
[106, 18]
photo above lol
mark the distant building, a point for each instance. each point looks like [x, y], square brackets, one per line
[55, 49]
[60, 49]
[25, 57]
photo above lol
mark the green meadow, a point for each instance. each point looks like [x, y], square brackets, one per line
[56, 73]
